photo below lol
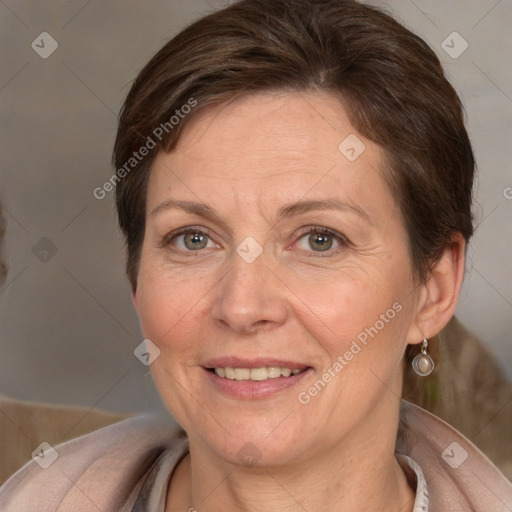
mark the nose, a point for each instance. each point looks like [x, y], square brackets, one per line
[250, 297]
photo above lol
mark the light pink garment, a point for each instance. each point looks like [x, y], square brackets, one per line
[454, 482]
[106, 470]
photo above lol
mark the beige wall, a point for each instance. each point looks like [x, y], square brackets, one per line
[67, 327]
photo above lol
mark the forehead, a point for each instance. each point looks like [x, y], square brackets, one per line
[287, 141]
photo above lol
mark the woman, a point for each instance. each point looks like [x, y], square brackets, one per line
[294, 184]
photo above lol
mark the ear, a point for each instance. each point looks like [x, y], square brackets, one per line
[439, 295]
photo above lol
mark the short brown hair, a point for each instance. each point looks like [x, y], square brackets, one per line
[390, 81]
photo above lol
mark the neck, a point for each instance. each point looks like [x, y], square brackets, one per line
[359, 474]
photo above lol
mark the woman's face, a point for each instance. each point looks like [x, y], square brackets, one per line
[272, 245]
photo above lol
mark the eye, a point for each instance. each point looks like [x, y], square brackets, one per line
[316, 239]
[320, 239]
[188, 239]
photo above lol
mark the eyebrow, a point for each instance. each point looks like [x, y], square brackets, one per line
[287, 211]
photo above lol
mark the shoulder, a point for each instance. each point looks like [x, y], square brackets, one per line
[24, 425]
[103, 470]
[458, 474]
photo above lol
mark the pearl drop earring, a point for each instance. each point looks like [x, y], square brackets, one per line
[422, 363]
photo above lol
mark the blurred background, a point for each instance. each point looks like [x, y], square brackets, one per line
[68, 330]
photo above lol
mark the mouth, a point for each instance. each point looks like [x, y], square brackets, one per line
[259, 374]
[257, 379]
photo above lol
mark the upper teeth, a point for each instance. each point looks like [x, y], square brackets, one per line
[270, 372]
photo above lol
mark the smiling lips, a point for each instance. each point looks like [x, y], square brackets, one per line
[256, 374]
[255, 370]
[254, 379]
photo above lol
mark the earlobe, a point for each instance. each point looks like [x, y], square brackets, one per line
[440, 292]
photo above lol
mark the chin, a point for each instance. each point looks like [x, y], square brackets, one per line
[253, 441]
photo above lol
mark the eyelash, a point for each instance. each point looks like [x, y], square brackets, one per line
[309, 230]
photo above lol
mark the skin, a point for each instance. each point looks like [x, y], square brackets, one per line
[246, 160]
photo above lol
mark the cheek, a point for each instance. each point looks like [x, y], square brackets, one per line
[368, 309]
[343, 302]
[168, 305]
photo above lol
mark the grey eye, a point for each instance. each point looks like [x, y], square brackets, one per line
[191, 240]
[194, 241]
[318, 242]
